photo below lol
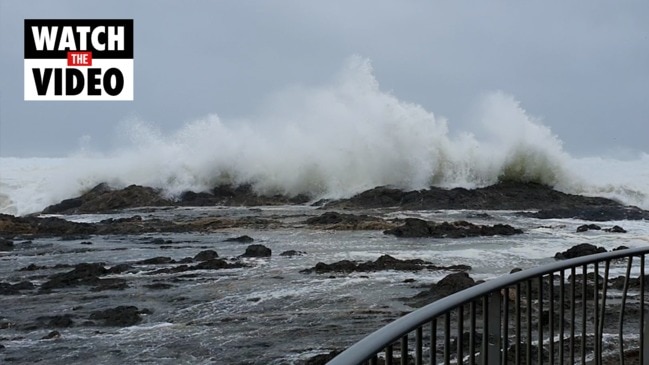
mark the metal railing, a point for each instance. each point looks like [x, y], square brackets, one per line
[561, 313]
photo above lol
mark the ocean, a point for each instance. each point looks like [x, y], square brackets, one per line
[328, 143]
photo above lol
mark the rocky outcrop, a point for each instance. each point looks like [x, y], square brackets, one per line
[104, 199]
[582, 249]
[121, 316]
[504, 195]
[414, 227]
[240, 239]
[342, 221]
[240, 195]
[385, 262]
[257, 251]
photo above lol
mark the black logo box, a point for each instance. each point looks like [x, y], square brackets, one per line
[32, 52]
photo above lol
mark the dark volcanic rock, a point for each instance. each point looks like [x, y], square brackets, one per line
[240, 239]
[581, 249]
[240, 195]
[206, 255]
[257, 251]
[450, 284]
[121, 316]
[615, 229]
[6, 245]
[13, 289]
[82, 274]
[49, 226]
[103, 199]
[342, 221]
[160, 260]
[508, 195]
[588, 227]
[385, 262]
[414, 227]
[291, 253]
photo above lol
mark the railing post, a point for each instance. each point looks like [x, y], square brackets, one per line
[494, 328]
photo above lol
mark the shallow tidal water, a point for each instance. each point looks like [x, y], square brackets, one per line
[266, 313]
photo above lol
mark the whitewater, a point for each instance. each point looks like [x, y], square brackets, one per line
[330, 141]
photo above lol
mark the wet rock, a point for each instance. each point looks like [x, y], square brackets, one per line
[52, 335]
[110, 284]
[581, 249]
[49, 226]
[158, 286]
[82, 274]
[257, 251]
[212, 264]
[32, 267]
[588, 227]
[59, 321]
[6, 245]
[122, 316]
[160, 260]
[615, 229]
[385, 262]
[342, 221]
[206, 255]
[450, 284]
[104, 199]
[505, 195]
[14, 289]
[239, 195]
[240, 239]
[414, 227]
[322, 359]
[291, 253]
[120, 268]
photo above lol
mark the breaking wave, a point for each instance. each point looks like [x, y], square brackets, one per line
[329, 141]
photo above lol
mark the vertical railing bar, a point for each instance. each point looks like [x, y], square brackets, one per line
[528, 352]
[540, 324]
[374, 360]
[598, 349]
[644, 321]
[433, 341]
[388, 355]
[573, 306]
[562, 303]
[484, 360]
[419, 344]
[584, 287]
[493, 334]
[551, 309]
[460, 333]
[505, 325]
[472, 320]
[518, 324]
[623, 308]
[404, 350]
[447, 338]
[599, 333]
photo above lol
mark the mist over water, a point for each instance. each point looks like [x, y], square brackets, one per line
[330, 141]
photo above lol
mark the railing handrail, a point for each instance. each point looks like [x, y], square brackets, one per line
[379, 339]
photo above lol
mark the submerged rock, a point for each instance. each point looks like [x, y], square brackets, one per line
[414, 227]
[588, 227]
[342, 221]
[121, 316]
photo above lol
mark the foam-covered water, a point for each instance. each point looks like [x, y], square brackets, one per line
[330, 141]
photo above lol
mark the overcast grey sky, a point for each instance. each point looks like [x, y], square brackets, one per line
[580, 66]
